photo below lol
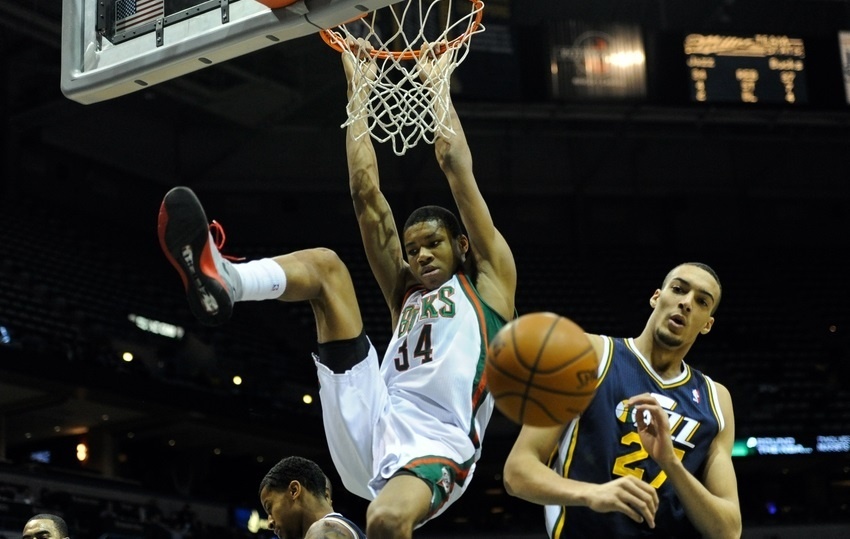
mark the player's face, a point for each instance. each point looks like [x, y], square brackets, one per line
[682, 309]
[41, 529]
[283, 511]
[432, 253]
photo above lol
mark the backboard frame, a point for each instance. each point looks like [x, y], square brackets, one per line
[96, 69]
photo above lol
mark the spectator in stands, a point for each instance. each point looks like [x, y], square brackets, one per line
[45, 526]
[150, 511]
[7, 492]
[108, 515]
[185, 520]
[157, 527]
[24, 494]
[651, 456]
[296, 495]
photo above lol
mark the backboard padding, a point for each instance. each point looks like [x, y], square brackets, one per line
[94, 69]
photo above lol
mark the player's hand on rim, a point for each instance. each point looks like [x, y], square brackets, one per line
[359, 63]
[434, 59]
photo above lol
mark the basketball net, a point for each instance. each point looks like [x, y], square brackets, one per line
[401, 107]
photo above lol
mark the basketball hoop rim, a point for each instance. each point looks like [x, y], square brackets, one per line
[337, 42]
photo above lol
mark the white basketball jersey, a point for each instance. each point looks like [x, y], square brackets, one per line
[427, 405]
[434, 363]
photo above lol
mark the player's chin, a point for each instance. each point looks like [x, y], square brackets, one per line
[668, 338]
[433, 280]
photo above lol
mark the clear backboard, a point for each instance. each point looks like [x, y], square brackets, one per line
[114, 47]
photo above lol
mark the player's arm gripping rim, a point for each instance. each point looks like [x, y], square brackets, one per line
[374, 216]
[496, 279]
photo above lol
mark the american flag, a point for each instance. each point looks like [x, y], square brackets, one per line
[132, 13]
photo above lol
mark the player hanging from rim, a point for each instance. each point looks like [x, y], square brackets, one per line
[404, 432]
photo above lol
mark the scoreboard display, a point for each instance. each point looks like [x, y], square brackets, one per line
[746, 69]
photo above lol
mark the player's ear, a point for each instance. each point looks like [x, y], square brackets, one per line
[294, 488]
[463, 246]
[653, 300]
[707, 326]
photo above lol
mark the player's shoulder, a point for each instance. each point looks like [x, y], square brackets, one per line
[333, 526]
[600, 344]
[722, 391]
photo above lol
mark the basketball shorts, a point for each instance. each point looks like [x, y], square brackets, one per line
[373, 436]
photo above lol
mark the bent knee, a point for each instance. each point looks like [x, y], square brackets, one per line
[384, 520]
[329, 265]
[326, 258]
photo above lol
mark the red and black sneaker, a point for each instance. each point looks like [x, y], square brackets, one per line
[185, 238]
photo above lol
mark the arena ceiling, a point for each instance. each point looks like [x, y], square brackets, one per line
[230, 118]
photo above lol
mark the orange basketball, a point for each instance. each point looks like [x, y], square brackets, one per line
[541, 370]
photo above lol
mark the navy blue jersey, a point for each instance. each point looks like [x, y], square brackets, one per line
[356, 532]
[603, 444]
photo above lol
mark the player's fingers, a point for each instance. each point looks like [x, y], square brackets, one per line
[643, 415]
[644, 499]
[639, 511]
[362, 47]
[649, 516]
[656, 417]
[640, 417]
[632, 513]
[643, 398]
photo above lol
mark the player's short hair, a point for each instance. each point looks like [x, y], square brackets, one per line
[435, 213]
[295, 468]
[61, 525]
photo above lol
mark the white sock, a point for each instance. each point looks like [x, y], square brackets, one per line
[260, 279]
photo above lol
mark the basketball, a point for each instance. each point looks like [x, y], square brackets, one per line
[541, 370]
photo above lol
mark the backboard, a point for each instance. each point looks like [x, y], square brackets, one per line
[115, 47]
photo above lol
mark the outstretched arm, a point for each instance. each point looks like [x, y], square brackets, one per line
[528, 476]
[374, 216]
[493, 257]
[711, 504]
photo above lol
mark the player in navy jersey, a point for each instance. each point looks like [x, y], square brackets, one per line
[296, 495]
[652, 454]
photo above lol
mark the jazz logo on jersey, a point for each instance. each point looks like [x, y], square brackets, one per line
[682, 428]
